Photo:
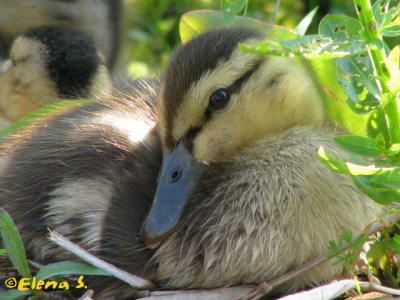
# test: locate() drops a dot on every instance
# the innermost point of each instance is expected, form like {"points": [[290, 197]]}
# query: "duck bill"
{"points": [[179, 174]]}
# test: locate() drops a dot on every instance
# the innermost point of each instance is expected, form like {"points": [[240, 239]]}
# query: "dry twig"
{"points": [[132, 280]]}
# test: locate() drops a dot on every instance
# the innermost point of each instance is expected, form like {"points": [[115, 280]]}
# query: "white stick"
{"points": [[132, 280]]}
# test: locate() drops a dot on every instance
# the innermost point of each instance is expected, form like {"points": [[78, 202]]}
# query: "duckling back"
{"points": [[90, 173]]}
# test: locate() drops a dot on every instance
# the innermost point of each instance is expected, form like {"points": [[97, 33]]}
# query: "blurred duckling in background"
{"points": [[99, 20], [221, 187], [47, 64]]}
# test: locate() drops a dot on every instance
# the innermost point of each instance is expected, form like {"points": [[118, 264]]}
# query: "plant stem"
{"points": [[378, 59]]}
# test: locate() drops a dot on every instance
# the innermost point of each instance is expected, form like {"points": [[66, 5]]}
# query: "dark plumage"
{"points": [[69, 57], [90, 173]]}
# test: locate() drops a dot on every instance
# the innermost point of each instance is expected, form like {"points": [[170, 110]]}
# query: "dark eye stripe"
{"points": [[237, 85], [190, 136], [234, 88]]}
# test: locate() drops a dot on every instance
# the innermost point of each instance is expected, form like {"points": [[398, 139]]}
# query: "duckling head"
{"points": [[48, 64], [215, 101]]}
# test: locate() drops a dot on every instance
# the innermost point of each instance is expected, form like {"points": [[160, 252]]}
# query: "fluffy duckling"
{"points": [[259, 203], [98, 19], [240, 198], [47, 64]]}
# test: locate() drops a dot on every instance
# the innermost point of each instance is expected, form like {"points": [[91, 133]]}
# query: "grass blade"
{"points": [[67, 268], [13, 243], [302, 27], [46, 110]]}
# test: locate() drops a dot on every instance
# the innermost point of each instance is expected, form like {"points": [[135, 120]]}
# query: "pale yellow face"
{"points": [[25, 85], [277, 96]]}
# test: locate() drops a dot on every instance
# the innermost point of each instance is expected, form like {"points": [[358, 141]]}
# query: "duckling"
{"points": [[242, 197], [217, 186], [99, 20], [47, 64]]}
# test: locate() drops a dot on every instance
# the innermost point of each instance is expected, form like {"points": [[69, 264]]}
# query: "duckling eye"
{"points": [[218, 99]]}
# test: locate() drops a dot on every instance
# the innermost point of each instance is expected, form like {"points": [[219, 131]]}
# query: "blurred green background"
{"points": [[151, 27]]}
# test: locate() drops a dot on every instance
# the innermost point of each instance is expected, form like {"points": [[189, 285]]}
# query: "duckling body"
{"points": [[260, 214], [47, 64], [76, 172], [238, 136]]}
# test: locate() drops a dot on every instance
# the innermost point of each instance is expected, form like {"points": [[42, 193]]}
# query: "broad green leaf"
{"points": [[339, 27], [376, 125], [355, 77], [66, 268], [333, 41], [357, 159], [309, 47], [358, 144], [375, 191], [231, 8], [388, 178], [13, 243], [355, 169], [46, 110], [3, 251], [355, 72], [195, 22], [302, 27], [330, 161], [334, 99]]}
